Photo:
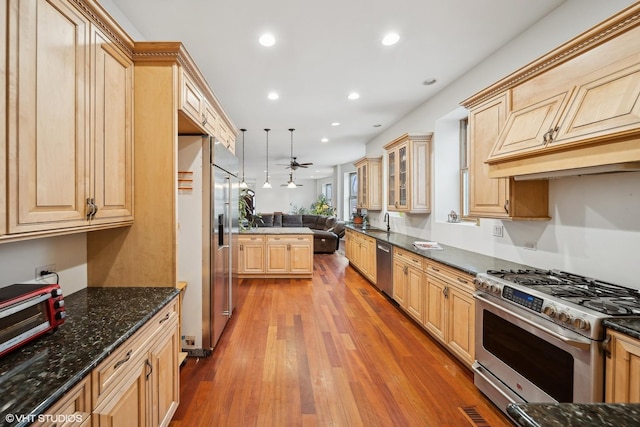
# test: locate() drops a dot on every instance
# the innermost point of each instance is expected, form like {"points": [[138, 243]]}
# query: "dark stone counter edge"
{"points": [[75, 379], [404, 241], [575, 414], [627, 325]]}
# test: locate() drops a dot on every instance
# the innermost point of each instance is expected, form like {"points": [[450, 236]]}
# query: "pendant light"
{"points": [[267, 184], [243, 184]]}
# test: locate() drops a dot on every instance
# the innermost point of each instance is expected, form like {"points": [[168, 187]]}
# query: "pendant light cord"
{"points": [[243, 131]]}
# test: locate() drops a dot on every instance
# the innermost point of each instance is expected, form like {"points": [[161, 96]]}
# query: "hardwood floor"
{"points": [[331, 351]]}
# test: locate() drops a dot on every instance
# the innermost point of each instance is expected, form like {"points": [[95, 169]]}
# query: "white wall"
{"points": [[282, 199], [594, 229], [19, 260]]}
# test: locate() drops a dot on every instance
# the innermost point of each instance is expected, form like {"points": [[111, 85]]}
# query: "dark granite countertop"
{"points": [[626, 325], [98, 320], [467, 261], [575, 414]]}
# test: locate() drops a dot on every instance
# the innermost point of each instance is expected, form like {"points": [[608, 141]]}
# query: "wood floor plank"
{"points": [[326, 351]]}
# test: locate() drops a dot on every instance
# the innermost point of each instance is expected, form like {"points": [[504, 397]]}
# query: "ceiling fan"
{"points": [[293, 163]]}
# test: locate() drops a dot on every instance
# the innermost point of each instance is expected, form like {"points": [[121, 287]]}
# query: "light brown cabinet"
{"points": [[361, 252], [289, 254], [369, 171], [75, 405], [575, 107], [70, 142], [408, 284], [409, 173], [502, 198], [622, 371], [251, 255], [450, 312]]}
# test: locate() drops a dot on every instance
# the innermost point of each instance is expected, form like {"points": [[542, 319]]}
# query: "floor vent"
{"points": [[473, 416]]}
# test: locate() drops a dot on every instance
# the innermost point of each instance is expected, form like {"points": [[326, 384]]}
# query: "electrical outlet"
{"points": [[530, 246], [39, 270], [497, 230]]}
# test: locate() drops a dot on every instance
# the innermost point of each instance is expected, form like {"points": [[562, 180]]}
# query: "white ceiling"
{"points": [[323, 51]]}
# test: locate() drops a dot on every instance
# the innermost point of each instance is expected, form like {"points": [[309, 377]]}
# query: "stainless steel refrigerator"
{"points": [[221, 229]]}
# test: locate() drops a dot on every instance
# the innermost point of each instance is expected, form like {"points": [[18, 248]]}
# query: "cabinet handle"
{"points": [[92, 208], [435, 269], [164, 319], [461, 280], [150, 366], [123, 361], [445, 292], [546, 138], [405, 270], [506, 206], [288, 246], [241, 247], [554, 133]]}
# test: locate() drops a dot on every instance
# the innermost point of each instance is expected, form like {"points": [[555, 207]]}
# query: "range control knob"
{"points": [[565, 317], [549, 311], [494, 288], [581, 323]]}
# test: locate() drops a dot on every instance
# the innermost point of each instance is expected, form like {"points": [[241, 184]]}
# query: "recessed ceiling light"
{"points": [[273, 96], [335, 124], [429, 82], [267, 40], [353, 95], [390, 39], [325, 140]]}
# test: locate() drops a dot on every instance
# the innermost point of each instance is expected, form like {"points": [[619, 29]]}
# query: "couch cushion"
{"points": [[310, 221], [330, 221], [292, 220], [277, 219], [265, 220]]}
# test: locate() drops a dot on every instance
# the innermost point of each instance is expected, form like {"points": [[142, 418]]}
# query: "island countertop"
{"points": [[276, 231], [99, 320]]}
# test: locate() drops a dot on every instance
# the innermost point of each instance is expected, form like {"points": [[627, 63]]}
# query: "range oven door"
{"points": [[522, 357]]}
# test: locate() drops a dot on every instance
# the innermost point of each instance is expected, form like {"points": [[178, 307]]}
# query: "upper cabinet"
{"points": [[503, 198], [69, 121], [369, 183], [575, 107], [198, 114], [409, 173]]}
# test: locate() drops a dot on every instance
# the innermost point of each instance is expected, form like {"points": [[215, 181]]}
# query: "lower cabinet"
{"points": [[450, 312], [282, 255], [137, 385], [408, 284], [361, 252], [622, 371]]}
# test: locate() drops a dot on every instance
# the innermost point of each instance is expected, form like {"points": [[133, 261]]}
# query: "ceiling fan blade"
{"points": [[306, 164]]}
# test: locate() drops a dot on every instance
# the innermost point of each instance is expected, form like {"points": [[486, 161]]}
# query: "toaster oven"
{"points": [[28, 311]]}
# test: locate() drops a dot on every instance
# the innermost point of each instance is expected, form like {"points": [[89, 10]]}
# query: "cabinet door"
{"points": [[251, 257], [210, 118], [191, 100], [392, 180], [128, 406], [403, 178], [374, 185], [415, 297], [607, 104], [362, 186], [420, 177], [528, 130], [623, 369], [487, 196], [112, 131], [301, 255], [277, 257], [165, 381], [461, 319], [348, 245], [400, 271], [371, 256], [48, 115], [435, 320]]}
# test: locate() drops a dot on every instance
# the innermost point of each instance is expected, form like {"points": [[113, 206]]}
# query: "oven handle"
{"points": [[573, 343], [478, 369]]}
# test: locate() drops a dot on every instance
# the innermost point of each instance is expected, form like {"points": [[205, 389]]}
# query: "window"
{"points": [[353, 192], [464, 167], [328, 193]]}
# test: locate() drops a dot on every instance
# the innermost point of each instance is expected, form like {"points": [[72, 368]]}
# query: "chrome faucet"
{"points": [[386, 218]]}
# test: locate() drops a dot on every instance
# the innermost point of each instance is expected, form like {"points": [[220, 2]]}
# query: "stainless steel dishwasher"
{"points": [[384, 270]]}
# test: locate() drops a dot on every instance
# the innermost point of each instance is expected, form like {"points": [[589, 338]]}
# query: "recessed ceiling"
{"points": [[323, 52]]}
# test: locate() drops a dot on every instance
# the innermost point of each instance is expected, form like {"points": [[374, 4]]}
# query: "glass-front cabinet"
{"points": [[409, 173], [369, 183]]}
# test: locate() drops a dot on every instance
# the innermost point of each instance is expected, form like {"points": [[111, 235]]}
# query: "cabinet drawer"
{"points": [[75, 406], [408, 257], [451, 275], [251, 239], [289, 239], [115, 367]]}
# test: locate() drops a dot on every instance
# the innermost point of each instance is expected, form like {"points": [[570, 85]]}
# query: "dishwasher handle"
{"points": [[384, 248]]}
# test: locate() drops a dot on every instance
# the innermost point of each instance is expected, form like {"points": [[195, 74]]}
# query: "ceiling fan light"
{"points": [[243, 184], [266, 184], [292, 185]]}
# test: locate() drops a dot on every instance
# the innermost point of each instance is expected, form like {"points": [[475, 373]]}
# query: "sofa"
{"points": [[327, 230]]}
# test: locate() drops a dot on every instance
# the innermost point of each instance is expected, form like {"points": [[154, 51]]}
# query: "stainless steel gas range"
{"points": [[539, 335]]}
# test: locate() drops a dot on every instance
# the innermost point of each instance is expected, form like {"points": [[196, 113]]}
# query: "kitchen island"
{"points": [[98, 322]]}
